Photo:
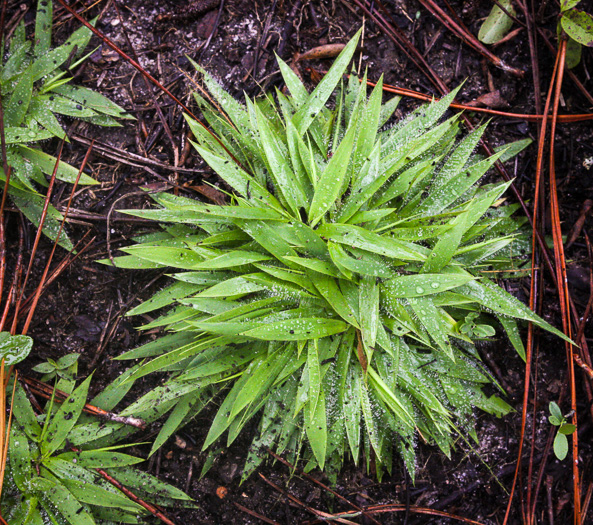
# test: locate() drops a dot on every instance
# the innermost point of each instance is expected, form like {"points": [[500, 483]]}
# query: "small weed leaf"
{"points": [[14, 348], [560, 446], [578, 26], [338, 296], [497, 24]]}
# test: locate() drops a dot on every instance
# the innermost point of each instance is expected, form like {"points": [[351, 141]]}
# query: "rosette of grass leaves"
{"points": [[339, 295]]}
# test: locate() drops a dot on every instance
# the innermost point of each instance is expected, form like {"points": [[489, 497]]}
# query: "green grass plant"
{"points": [[36, 92], [336, 301]]}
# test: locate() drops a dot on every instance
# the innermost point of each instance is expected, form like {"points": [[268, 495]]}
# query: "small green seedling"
{"points": [[564, 429], [578, 26], [65, 368]]}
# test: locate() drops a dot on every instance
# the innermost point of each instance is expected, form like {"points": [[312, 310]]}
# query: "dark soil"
{"points": [[80, 312]]}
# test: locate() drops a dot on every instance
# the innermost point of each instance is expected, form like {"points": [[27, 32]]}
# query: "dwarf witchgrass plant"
{"points": [[52, 475], [339, 295], [34, 79]]}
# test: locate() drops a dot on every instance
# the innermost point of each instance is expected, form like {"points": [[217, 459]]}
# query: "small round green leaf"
{"points": [[498, 23], [555, 411], [574, 50], [578, 26], [567, 429], [14, 348], [560, 446], [565, 5], [555, 421]]}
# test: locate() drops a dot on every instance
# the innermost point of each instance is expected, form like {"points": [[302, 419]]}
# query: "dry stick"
{"points": [[18, 271], [67, 261], [532, 295], [428, 98], [47, 391], [468, 38], [214, 27], [532, 39], [401, 41], [53, 250], [317, 482], [261, 42], [255, 514], [585, 317], [149, 89], [150, 508], [563, 286], [399, 507], [131, 159], [146, 74], [50, 188], [318, 513]]}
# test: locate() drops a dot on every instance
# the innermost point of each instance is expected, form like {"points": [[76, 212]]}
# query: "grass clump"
{"points": [[35, 85], [340, 294]]}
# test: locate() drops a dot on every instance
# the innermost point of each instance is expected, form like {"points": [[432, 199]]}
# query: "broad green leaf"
{"points": [[65, 419], [501, 302], [322, 267], [574, 51], [281, 169], [497, 24], [578, 26], [352, 410], [560, 446], [63, 500], [316, 428], [407, 286], [19, 101], [258, 381], [316, 101], [165, 297], [16, 135], [370, 421], [568, 4], [314, 376], [297, 329], [96, 495], [135, 479], [330, 291], [92, 100], [14, 348], [43, 27], [47, 164], [238, 179], [555, 411], [20, 457], [366, 240], [512, 331], [99, 459], [329, 186], [430, 318], [369, 310]]}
